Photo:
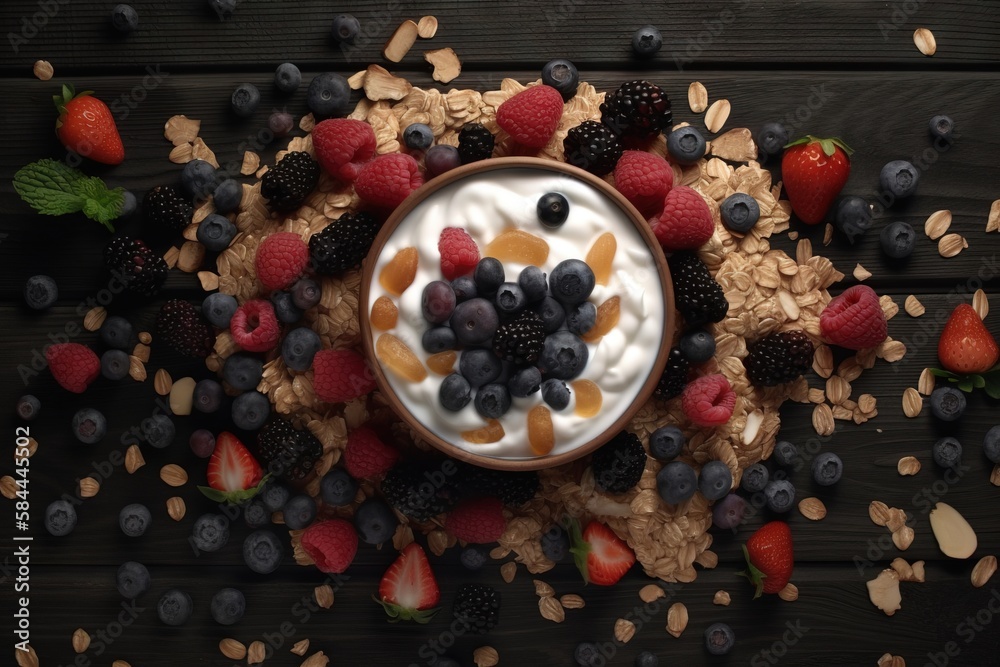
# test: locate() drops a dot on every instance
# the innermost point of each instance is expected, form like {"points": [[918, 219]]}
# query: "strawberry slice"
{"points": [[601, 556], [408, 590], [234, 475]]}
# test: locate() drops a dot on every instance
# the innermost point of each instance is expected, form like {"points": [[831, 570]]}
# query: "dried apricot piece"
{"points": [[399, 273], [540, 435], [384, 314], [442, 363], [492, 432], [588, 398], [607, 319], [601, 255], [515, 245], [399, 358]]}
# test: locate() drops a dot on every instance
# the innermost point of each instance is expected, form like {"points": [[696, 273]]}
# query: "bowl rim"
{"points": [[475, 168]]}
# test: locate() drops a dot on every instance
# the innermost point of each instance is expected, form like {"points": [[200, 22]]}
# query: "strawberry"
{"points": [[814, 172], [234, 475], [332, 544], [532, 116], [366, 456], [408, 590], [966, 346], [477, 520], [601, 556], [74, 366], [769, 557], [86, 127]]}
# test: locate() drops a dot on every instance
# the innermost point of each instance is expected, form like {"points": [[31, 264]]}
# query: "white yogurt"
{"points": [[485, 205]]}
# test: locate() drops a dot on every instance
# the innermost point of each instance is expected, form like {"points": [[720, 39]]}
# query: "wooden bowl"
{"points": [[496, 164]]}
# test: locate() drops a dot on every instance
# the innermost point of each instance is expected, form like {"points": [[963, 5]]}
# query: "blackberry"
{"points": [[182, 327], [699, 299], [475, 143], [420, 489], [674, 377], [288, 184], [342, 244], [779, 357], [287, 453], [477, 607], [618, 465], [512, 488], [166, 207], [638, 109], [133, 263], [592, 147], [520, 340]]}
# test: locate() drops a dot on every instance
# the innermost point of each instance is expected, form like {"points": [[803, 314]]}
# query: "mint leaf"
{"points": [[102, 204], [48, 187]]}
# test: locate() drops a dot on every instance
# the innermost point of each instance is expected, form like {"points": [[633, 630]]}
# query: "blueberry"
{"points": [[525, 382], [299, 348], [755, 478], [337, 488], [553, 210], [455, 392], [227, 196], [853, 217], [210, 532], [555, 543], [345, 29], [27, 407], [134, 519], [438, 339], [686, 145], [223, 8], [899, 178], [175, 607], [715, 480], [306, 293], [991, 444], [199, 179], [132, 579], [942, 127], [60, 518], [666, 443], [771, 139], [124, 18], [739, 212], [564, 355], [562, 75], [479, 366], [555, 393], [581, 318], [492, 401], [728, 513], [245, 100], [489, 275], [827, 469], [587, 654], [40, 292], [262, 551], [898, 240], [242, 371], [116, 332], [552, 313], [299, 512], [418, 136], [255, 515], [646, 659], [571, 281], [475, 321], [129, 204], [533, 284], [785, 453], [780, 495], [228, 606], [115, 364], [251, 410], [284, 307], [208, 395], [437, 301], [947, 452], [219, 309], [464, 288], [274, 496], [287, 78], [697, 346], [375, 521], [441, 158], [215, 232], [473, 558], [676, 482], [158, 430], [202, 442], [281, 123], [947, 403], [89, 426], [646, 41], [719, 639], [510, 299], [328, 95]]}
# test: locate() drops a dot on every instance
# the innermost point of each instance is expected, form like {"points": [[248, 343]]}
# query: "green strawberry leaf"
{"points": [[978, 381], [829, 146], [52, 188], [754, 574], [942, 373], [579, 549], [966, 385], [397, 613], [234, 497]]}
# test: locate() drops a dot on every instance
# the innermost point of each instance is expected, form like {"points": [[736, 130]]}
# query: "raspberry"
{"points": [[180, 325], [366, 456], [532, 116], [459, 253], [332, 544], [644, 179], [854, 319], [74, 366], [281, 259], [343, 146], [341, 375], [477, 520], [686, 221], [388, 179], [289, 182], [708, 401], [254, 326]]}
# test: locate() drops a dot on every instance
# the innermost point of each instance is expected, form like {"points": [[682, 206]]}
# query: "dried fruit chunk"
{"points": [[399, 358], [607, 319], [515, 245], [601, 255], [954, 535], [384, 313], [442, 363], [492, 432], [399, 273], [588, 398], [540, 435]]}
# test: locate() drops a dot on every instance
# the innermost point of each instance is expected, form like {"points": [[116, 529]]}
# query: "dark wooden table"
{"points": [[869, 84]]}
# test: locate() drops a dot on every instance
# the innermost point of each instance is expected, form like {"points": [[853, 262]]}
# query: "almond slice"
{"points": [[981, 304], [954, 535], [697, 97], [677, 619], [984, 570], [43, 70], [924, 39], [427, 27], [717, 115], [913, 306], [937, 224]]}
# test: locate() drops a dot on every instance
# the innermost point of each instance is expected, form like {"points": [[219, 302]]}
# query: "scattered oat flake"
{"points": [[908, 465], [995, 476], [446, 64], [721, 598], [508, 570], [827, 234], [937, 224], [717, 115], [201, 151], [925, 42], [736, 145], [380, 84], [890, 660], [301, 647], [883, 591], [180, 130], [812, 509], [861, 273], [401, 41], [993, 222], [651, 592], [984, 570], [697, 97], [42, 70], [925, 385], [790, 593], [251, 162], [952, 244], [182, 153], [913, 403], [677, 619], [486, 656], [913, 306], [427, 27], [981, 304]]}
